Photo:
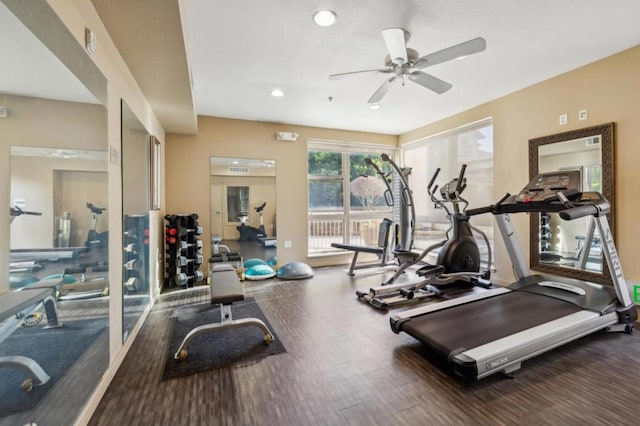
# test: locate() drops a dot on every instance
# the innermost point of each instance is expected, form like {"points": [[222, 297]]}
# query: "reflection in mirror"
{"points": [[573, 248], [52, 151], [136, 193], [237, 202], [239, 188]]}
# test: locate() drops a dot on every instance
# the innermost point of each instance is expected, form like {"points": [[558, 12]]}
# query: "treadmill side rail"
{"points": [[499, 355]]}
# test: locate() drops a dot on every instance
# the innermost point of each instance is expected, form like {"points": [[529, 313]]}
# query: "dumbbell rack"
{"points": [[183, 250], [545, 232], [136, 253]]}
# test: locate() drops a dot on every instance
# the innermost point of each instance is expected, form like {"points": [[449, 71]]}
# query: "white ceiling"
{"points": [[239, 50]]}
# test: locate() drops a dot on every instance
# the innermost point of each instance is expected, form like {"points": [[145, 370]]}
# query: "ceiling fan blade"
{"points": [[347, 74], [396, 43], [382, 90], [430, 82], [454, 52]]}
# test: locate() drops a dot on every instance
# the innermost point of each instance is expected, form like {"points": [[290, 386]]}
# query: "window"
{"points": [[346, 196], [471, 145]]}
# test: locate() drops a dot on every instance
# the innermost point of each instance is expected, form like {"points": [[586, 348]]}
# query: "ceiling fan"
{"points": [[405, 63]]}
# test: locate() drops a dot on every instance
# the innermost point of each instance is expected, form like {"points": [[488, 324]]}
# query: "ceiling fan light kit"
{"points": [[405, 63]]}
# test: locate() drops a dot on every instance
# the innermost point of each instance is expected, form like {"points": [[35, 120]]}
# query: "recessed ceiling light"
{"points": [[277, 93], [325, 18], [375, 106]]}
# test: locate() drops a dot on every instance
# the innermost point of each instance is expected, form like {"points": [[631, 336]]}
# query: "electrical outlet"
{"points": [[563, 119], [287, 244], [582, 114]]}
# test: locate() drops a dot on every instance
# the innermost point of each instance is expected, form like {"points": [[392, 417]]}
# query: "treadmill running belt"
{"points": [[484, 321]]}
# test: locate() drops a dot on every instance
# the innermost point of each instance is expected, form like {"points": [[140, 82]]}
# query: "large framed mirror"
{"points": [[243, 205], [136, 200], [573, 248], [54, 167]]}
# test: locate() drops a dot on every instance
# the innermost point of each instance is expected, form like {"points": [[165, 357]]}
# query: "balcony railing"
{"points": [[327, 229]]}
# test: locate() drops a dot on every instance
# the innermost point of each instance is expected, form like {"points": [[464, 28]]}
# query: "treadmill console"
{"points": [[545, 187]]}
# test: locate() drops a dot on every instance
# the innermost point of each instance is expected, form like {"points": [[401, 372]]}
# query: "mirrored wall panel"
{"points": [[243, 206], [136, 152], [55, 294]]}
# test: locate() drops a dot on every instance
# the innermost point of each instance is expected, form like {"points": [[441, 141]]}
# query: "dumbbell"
{"points": [[183, 245], [183, 279], [130, 284], [131, 265], [183, 260]]}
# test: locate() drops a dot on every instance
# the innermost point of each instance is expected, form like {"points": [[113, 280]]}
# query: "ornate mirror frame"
{"points": [[607, 134]]}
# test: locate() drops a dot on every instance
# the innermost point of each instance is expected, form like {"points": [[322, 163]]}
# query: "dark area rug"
{"points": [[221, 348], [55, 349]]}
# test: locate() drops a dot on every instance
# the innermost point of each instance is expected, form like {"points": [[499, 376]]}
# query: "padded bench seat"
{"points": [[225, 288], [14, 307], [381, 250]]}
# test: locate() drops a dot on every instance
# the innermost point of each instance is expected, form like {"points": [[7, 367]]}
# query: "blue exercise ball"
{"points": [[259, 272], [272, 261], [295, 271], [17, 281], [253, 262]]}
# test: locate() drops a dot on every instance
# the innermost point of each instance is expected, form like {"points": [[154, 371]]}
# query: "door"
{"points": [[217, 207]]}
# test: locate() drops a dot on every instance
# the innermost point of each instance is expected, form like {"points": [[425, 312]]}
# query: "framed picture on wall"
{"points": [[154, 173]]}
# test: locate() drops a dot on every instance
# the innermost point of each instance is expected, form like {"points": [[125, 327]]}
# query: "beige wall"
{"points": [[187, 178], [608, 89]]}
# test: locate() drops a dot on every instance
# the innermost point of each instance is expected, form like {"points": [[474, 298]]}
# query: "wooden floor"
{"points": [[344, 366]]}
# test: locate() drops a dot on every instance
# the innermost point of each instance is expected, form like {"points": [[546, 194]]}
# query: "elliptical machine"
{"points": [[458, 259], [249, 233]]}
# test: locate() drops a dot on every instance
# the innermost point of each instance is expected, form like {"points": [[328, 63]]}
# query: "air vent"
{"points": [[592, 141], [238, 170]]}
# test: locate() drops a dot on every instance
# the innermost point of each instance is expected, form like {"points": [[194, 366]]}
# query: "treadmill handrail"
{"points": [[590, 204]]}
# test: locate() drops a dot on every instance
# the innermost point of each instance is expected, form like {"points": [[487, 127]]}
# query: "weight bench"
{"points": [[381, 250], [225, 288], [15, 307]]}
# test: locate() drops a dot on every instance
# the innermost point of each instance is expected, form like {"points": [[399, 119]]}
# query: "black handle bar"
{"points": [[578, 212], [487, 209], [479, 210], [17, 211], [459, 185], [433, 179]]}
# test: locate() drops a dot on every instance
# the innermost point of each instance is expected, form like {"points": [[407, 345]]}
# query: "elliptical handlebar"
{"points": [[462, 182], [449, 194], [388, 193]]}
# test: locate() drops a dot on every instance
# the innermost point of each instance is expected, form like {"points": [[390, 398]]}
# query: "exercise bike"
{"points": [[250, 233], [458, 258], [94, 238]]}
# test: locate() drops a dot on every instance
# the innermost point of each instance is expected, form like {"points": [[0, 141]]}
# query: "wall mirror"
{"points": [[136, 199], [573, 248], [53, 163], [239, 186]]}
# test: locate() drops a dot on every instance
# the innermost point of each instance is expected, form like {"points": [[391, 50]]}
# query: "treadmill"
{"points": [[494, 331]]}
